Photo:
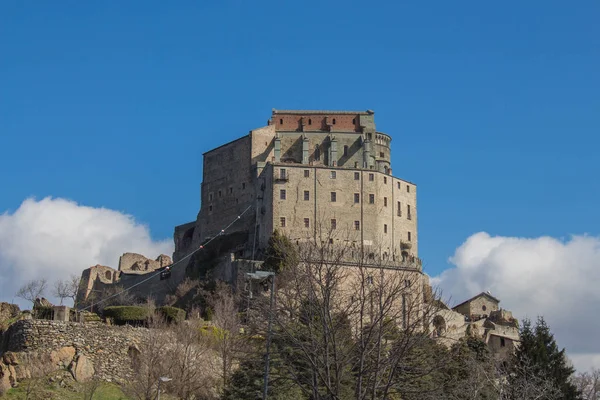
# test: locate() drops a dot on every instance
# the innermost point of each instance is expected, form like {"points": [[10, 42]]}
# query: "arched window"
{"points": [[334, 121], [310, 121], [281, 121]]}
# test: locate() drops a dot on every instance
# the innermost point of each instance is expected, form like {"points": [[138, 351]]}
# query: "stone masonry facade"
{"points": [[308, 173]]}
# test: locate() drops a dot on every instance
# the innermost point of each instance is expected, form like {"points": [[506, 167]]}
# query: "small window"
{"points": [[371, 177], [407, 283], [357, 225], [282, 222], [306, 195], [281, 121], [333, 196], [333, 224], [407, 189], [210, 197], [409, 237], [306, 223], [354, 121], [371, 199], [399, 185], [381, 154], [399, 211], [210, 208], [357, 176], [385, 201], [502, 342], [385, 180], [408, 215], [369, 280], [282, 173], [306, 173], [345, 151], [317, 153], [310, 121], [483, 307], [384, 228], [332, 175], [330, 241], [334, 121], [219, 193], [356, 197], [282, 194], [230, 190], [243, 185]]}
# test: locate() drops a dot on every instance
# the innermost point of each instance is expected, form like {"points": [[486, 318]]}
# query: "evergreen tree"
{"points": [[280, 253], [539, 352]]}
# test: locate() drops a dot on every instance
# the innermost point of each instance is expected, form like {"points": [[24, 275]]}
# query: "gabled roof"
{"points": [[486, 294]]}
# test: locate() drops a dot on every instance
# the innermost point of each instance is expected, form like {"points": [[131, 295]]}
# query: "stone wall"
{"points": [[138, 264], [86, 349]]}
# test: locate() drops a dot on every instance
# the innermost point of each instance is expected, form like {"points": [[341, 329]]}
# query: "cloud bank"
{"points": [[557, 279], [54, 237]]}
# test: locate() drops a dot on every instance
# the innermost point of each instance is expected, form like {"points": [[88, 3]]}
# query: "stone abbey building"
{"points": [[306, 173]]}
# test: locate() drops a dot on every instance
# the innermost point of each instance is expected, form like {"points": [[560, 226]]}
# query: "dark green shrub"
{"points": [[132, 315], [171, 314], [43, 312]]}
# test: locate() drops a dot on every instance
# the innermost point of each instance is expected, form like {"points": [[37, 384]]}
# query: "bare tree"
{"points": [[227, 339], [150, 361], [38, 367], [589, 384], [32, 289], [191, 363], [90, 387], [67, 289]]}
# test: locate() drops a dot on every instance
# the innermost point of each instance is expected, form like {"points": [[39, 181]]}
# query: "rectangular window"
{"points": [[381, 154], [333, 224], [333, 196], [356, 197], [230, 190], [408, 216], [369, 280], [409, 237], [357, 176], [243, 185], [333, 174], [219, 193], [210, 196], [282, 174], [385, 201], [385, 180], [210, 208], [282, 222], [371, 177], [399, 185], [282, 194], [357, 225], [407, 283], [306, 223], [306, 195], [407, 189], [306, 173], [399, 209], [384, 228], [371, 199]]}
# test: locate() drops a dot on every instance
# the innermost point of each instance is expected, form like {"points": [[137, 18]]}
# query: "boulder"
{"points": [[82, 369], [10, 358], [4, 378], [62, 356]]}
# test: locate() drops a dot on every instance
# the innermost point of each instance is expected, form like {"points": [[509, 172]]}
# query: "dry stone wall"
{"points": [[86, 349]]}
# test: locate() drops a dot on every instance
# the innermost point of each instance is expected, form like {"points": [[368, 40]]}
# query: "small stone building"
{"points": [[478, 307]]}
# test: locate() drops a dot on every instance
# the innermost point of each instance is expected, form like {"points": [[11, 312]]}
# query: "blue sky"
{"points": [[493, 108]]}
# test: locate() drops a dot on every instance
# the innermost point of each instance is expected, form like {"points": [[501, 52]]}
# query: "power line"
{"points": [[174, 264]]}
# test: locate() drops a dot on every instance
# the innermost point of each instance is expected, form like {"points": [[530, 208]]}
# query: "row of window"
{"points": [[333, 198], [333, 175], [282, 223], [310, 121], [220, 192]]}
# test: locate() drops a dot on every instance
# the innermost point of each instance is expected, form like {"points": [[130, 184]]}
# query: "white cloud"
{"points": [[53, 238], [557, 279]]}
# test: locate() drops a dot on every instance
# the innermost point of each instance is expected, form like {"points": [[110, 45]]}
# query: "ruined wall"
{"points": [[105, 349], [138, 264]]}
